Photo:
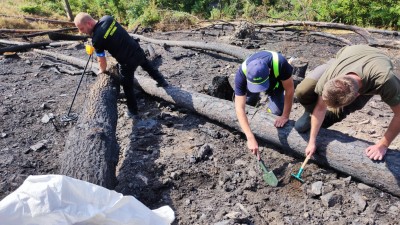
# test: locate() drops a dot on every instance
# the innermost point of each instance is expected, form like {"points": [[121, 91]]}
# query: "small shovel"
{"points": [[268, 176], [298, 175]]}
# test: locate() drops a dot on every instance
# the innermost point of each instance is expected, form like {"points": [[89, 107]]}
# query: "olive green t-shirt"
{"points": [[373, 67]]}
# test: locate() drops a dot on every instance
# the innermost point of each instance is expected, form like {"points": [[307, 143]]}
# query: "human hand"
{"points": [[376, 152], [280, 121], [310, 149], [253, 146]]}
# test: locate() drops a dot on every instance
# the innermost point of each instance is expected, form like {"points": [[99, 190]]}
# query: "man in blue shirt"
{"points": [[268, 72], [107, 34]]}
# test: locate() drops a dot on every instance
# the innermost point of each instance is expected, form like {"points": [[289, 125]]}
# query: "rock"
{"points": [[359, 199], [40, 145], [394, 210], [306, 215], [338, 184], [233, 215], [224, 222], [44, 106], [327, 188], [347, 180], [363, 187], [331, 199], [3, 135], [316, 188], [204, 152], [364, 122], [241, 162], [47, 117], [192, 159], [175, 175]]}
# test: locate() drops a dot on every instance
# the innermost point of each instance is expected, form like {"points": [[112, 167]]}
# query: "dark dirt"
{"points": [[174, 157]]}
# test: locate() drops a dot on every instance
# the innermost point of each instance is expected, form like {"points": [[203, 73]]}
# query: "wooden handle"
{"points": [[305, 162]]}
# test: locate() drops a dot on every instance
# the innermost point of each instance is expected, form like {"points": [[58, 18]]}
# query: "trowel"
{"points": [[268, 176]]}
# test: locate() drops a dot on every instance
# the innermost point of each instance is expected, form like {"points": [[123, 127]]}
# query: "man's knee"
{"points": [[305, 91]]}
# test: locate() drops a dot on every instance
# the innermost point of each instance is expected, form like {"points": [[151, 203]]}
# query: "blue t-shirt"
{"points": [[285, 72]]}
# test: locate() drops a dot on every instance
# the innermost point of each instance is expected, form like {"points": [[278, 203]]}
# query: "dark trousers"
{"points": [[127, 72], [307, 97], [276, 101]]}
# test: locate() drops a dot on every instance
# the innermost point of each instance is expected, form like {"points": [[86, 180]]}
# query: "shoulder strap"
{"points": [[275, 64]]}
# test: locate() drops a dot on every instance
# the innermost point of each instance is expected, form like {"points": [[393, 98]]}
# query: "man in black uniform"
{"points": [[107, 34]]}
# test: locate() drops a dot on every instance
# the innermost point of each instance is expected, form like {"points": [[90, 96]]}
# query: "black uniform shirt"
{"points": [[109, 35]]}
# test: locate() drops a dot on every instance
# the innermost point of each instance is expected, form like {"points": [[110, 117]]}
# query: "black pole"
{"points": [[76, 92]]}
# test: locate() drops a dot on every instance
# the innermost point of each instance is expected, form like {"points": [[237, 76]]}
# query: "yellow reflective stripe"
{"points": [[113, 31], [275, 67], [109, 30], [275, 63], [244, 67]]}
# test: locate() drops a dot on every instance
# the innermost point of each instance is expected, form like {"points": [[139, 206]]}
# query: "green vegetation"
{"points": [[382, 13]]}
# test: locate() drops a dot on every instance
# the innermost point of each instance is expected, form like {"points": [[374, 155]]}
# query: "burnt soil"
{"points": [[175, 157]]}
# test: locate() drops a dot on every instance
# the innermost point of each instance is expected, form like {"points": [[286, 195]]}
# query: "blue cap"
{"points": [[257, 76]]}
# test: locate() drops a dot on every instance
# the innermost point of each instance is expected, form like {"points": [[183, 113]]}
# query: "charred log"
{"points": [[56, 36], [231, 50], [220, 88], [336, 150], [19, 48], [91, 149], [46, 32]]}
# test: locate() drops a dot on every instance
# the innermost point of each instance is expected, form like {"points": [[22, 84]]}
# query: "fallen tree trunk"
{"points": [[46, 32], [359, 30], [336, 150], [72, 60], [18, 48], [41, 19], [231, 50], [91, 150], [56, 36]]}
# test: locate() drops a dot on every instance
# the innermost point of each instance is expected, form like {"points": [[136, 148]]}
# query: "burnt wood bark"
{"points": [[72, 60], [231, 50], [56, 36], [359, 30], [91, 149], [18, 48], [336, 150], [46, 32]]}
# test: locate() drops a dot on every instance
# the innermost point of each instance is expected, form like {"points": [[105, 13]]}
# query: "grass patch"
{"points": [[174, 20]]}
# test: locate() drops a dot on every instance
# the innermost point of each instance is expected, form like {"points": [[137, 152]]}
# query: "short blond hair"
{"points": [[82, 17], [340, 91]]}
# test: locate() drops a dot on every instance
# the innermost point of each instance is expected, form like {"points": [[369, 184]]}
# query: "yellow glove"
{"points": [[89, 49]]}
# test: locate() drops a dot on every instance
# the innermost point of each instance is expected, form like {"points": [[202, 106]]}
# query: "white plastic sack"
{"points": [[56, 199]]}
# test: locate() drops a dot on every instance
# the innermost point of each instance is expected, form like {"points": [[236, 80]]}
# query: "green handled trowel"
{"points": [[268, 176]]}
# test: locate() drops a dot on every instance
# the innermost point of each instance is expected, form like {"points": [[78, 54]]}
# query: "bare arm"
{"points": [[377, 151], [288, 85], [317, 117], [240, 105], [102, 64]]}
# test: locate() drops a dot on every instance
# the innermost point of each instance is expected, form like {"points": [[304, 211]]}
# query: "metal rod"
{"points": [[76, 92]]}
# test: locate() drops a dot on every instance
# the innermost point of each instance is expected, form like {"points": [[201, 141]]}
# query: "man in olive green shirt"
{"points": [[344, 85]]}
